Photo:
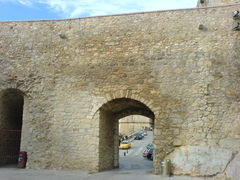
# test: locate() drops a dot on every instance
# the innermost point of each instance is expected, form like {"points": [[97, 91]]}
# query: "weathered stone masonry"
{"points": [[79, 76]]}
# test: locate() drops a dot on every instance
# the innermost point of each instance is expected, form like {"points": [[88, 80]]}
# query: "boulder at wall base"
{"points": [[233, 169], [200, 160]]}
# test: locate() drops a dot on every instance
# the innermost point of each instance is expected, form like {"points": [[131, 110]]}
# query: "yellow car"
{"points": [[125, 145]]}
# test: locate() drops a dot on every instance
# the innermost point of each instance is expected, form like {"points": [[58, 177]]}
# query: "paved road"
{"points": [[133, 159], [43, 174], [132, 167]]}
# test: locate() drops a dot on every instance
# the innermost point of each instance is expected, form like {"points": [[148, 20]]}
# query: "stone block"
{"points": [[233, 169], [177, 142], [200, 160]]}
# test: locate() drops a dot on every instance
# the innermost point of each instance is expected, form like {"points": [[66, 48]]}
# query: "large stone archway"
{"points": [[11, 114], [109, 114]]}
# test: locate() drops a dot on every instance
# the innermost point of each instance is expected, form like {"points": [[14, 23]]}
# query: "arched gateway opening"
{"points": [[109, 115], [11, 112]]}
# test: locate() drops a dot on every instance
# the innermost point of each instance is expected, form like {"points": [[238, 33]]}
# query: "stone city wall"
{"points": [[214, 3], [183, 65]]}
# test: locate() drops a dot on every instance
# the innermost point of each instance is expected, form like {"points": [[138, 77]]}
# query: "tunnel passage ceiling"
{"points": [[123, 107]]}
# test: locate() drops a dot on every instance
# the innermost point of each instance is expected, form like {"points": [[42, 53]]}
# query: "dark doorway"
{"points": [[11, 113]]}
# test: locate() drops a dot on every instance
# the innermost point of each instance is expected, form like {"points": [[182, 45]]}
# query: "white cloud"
{"points": [[25, 2], [80, 8]]}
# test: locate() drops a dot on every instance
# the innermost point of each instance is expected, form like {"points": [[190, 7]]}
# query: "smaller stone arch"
{"points": [[108, 116], [11, 119]]}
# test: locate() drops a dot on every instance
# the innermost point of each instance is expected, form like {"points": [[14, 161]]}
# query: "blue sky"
{"points": [[62, 9]]}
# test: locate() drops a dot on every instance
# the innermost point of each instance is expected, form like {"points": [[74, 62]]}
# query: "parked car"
{"points": [[150, 145], [148, 153], [138, 136], [145, 152], [144, 133], [125, 145]]}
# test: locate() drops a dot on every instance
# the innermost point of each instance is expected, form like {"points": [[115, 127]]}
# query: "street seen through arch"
{"points": [[138, 153]]}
